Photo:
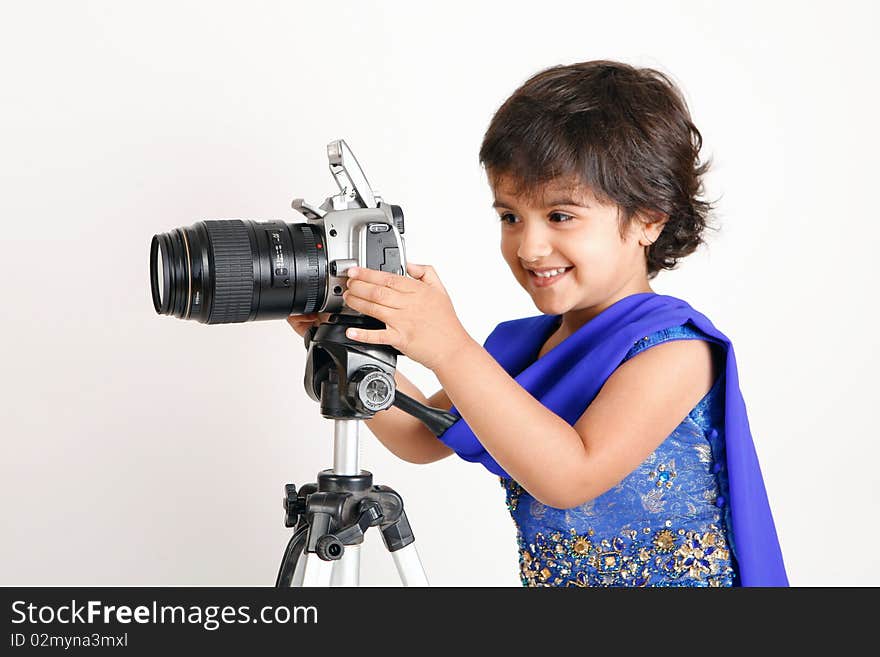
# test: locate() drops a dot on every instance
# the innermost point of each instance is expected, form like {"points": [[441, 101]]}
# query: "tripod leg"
{"points": [[347, 571], [409, 566], [291, 564], [315, 571], [299, 571]]}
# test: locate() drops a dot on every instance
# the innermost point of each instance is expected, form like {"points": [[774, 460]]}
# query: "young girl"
{"points": [[614, 419]]}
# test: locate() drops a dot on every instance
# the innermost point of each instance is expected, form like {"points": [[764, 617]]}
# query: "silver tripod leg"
{"points": [[409, 566], [347, 571], [315, 571], [311, 570]]}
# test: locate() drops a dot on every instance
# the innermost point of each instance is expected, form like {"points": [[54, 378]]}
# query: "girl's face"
{"points": [[567, 228]]}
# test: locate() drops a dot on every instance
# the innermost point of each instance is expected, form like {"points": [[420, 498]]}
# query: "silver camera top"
{"points": [[351, 179], [359, 228], [354, 189]]}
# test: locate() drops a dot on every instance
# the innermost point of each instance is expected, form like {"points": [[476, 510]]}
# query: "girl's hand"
{"points": [[417, 312], [302, 323]]}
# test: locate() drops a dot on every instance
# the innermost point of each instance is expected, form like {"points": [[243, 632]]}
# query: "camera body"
{"points": [[362, 237], [234, 270]]}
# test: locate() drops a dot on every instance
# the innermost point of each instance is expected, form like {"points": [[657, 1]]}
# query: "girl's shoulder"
{"points": [[686, 331], [708, 413]]}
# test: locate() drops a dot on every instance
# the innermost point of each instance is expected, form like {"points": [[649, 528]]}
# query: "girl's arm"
{"points": [[562, 466]]}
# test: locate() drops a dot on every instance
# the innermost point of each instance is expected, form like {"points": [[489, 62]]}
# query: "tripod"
{"points": [[352, 381]]}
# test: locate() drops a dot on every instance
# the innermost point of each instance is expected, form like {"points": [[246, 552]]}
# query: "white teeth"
{"points": [[549, 273]]}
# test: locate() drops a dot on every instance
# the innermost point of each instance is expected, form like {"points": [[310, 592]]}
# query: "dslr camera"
{"points": [[235, 270]]}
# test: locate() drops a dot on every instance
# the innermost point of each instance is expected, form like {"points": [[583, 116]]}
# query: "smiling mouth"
{"points": [[545, 280]]}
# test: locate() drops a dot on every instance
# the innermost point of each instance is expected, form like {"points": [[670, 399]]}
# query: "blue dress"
{"points": [[665, 524]]}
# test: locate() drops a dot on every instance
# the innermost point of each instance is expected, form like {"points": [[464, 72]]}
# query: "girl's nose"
{"points": [[533, 247]]}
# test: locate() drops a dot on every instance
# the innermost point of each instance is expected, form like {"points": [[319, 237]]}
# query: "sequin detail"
{"points": [[514, 490], [653, 557]]}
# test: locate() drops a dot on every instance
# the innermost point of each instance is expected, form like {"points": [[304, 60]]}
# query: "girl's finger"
{"points": [[383, 336], [375, 310], [424, 273], [414, 270]]}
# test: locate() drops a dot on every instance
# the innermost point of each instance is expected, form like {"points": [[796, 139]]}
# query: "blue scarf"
{"points": [[570, 376]]}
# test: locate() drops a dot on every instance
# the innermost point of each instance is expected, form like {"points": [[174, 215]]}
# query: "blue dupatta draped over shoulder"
{"points": [[569, 376]]}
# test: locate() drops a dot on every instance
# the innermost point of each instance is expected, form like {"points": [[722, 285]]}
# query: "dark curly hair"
{"points": [[625, 132]]}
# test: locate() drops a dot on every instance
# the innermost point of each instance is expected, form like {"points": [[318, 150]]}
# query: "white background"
{"points": [[146, 450]]}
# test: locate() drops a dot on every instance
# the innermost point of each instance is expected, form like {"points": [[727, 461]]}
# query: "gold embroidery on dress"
{"points": [[664, 556]]}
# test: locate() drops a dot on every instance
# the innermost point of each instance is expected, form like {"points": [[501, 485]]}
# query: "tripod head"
{"points": [[354, 381]]}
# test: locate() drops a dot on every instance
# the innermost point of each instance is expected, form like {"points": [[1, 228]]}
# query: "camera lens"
{"points": [[234, 270], [159, 277]]}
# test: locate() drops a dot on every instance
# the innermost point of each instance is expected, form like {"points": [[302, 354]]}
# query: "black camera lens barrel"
{"points": [[234, 270], [232, 256]]}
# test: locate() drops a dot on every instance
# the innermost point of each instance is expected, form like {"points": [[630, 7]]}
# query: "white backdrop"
{"points": [[145, 450]]}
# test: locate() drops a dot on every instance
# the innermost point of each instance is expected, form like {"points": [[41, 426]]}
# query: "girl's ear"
{"points": [[653, 222]]}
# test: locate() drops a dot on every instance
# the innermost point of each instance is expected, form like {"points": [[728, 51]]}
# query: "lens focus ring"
{"points": [[233, 271]]}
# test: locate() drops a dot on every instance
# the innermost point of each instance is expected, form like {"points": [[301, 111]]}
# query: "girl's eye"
{"points": [[508, 218]]}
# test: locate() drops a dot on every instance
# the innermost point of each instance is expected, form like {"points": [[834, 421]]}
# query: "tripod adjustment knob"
{"points": [[329, 548], [294, 506], [372, 389]]}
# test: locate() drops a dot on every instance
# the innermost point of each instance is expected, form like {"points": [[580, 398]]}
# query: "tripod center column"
{"points": [[346, 447]]}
